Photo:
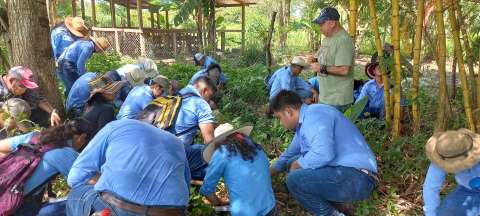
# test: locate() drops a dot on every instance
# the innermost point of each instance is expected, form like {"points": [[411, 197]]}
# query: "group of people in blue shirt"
{"points": [[129, 167]]}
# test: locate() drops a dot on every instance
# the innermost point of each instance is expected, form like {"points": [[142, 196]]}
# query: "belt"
{"points": [[370, 174], [139, 209]]}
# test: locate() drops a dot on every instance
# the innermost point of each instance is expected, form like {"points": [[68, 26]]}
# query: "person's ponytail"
{"points": [[59, 135]]}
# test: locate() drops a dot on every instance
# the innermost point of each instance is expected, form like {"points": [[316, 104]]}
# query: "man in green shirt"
{"points": [[333, 62]]}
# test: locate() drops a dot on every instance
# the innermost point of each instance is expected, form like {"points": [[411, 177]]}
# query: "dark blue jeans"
{"points": [[84, 201], [195, 161], [68, 73], [460, 201], [316, 189]]}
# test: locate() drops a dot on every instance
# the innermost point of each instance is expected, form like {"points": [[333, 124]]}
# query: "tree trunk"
{"points": [[379, 47], [397, 71], [461, 66], [442, 75], [29, 31], [268, 43], [52, 12], [453, 89], [212, 27], [417, 50], [199, 22], [468, 52], [352, 25]]}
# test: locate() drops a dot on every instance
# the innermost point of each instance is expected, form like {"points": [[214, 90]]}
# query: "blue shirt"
{"points": [[249, 184], [203, 73], [283, 79], [80, 91], [138, 98], [435, 179], [324, 137], [314, 83], [78, 53], [374, 94], [61, 38], [208, 61], [45, 170], [193, 112], [138, 162]]}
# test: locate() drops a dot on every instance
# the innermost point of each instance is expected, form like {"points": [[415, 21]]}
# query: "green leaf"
{"points": [[356, 109]]}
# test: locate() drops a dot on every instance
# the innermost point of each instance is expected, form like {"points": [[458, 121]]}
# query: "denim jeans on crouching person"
{"points": [[68, 73], [195, 161], [317, 189], [84, 201], [462, 202]]}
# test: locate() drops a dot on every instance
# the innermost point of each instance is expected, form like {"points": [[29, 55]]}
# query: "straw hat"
{"points": [[221, 133], [99, 81], [76, 26], [101, 42], [109, 88], [134, 75], [148, 66], [297, 60], [454, 151]]}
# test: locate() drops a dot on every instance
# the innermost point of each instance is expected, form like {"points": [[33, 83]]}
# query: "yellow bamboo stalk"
{"points": [[379, 47], [417, 50], [396, 58], [468, 51], [352, 25], [442, 75], [461, 65]]}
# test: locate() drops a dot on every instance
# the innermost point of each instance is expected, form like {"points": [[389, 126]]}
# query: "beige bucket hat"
{"points": [[76, 26], [454, 151], [221, 133], [297, 60], [101, 42]]}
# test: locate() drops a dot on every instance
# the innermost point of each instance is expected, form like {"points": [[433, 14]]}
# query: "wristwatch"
{"points": [[323, 70]]}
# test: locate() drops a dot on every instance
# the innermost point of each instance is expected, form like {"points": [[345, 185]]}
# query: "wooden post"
{"points": [[167, 20], [129, 20], [117, 43], [142, 44], [223, 41], [139, 12], [152, 20], [243, 28], [158, 20], [174, 42], [74, 7], [82, 8], [94, 14], [112, 10]]}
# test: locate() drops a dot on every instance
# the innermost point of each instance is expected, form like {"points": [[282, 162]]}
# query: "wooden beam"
{"points": [[74, 7], [140, 14], [129, 18], [112, 11], [158, 19], [152, 20], [243, 28], [167, 20], [94, 14], [82, 8]]}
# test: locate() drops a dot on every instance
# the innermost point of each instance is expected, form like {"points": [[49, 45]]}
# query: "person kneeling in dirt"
{"points": [[214, 72], [243, 165], [203, 60], [141, 96], [287, 78], [373, 90], [327, 170], [59, 145], [456, 152], [143, 171]]}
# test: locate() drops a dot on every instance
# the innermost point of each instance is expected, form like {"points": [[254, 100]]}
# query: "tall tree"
{"points": [[29, 31], [396, 58], [284, 21], [461, 66], [441, 61], [212, 26], [352, 24], [379, 47], [417, 49]]}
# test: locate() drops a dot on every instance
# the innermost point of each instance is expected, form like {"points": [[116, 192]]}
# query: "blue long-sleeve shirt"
{"points": [[374, 94], [80, 91], [61, 38], [248, 183], [78, 53], [314, 83], [138, 98], [208, 61], [283, 79], [324, 137], [434, 181], [193, 112], [138, 162], [203, 73]]}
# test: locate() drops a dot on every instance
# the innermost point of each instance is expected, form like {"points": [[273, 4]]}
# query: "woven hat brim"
{"points": [[80, 34], [212, 145]]}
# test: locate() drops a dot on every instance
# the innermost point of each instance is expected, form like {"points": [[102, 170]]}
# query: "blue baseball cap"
{"points": [[328, 13]]}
